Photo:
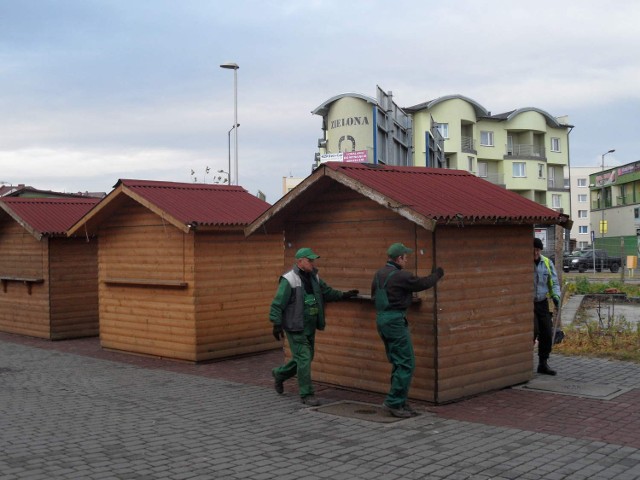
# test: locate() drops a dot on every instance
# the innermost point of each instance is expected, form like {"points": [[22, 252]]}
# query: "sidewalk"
{"points": [[72, 410]]}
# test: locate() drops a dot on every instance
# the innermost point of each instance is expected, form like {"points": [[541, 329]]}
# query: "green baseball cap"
{"points": [[398, 249], [306, 253]]}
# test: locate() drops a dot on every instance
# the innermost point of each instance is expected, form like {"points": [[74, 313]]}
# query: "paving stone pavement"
{"points": [[71, 410]]}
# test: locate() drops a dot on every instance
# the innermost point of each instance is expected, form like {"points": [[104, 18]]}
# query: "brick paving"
{"points": [[70, 409], [611, 421]]}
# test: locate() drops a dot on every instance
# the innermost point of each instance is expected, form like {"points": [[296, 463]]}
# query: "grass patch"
{"points": [[612, 337], [621, 342]]}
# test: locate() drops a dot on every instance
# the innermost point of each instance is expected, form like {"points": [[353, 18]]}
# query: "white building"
{"points": [[580, 205]]}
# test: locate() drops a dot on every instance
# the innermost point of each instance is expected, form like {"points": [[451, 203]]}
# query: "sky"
{"points": [[92, 91]]}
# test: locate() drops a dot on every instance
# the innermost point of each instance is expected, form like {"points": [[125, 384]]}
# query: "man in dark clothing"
{"points": [[298, 310], [392, 290]]}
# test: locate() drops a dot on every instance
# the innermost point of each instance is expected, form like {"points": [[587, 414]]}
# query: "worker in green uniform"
{"points": [[392, 290], [298, 311]]}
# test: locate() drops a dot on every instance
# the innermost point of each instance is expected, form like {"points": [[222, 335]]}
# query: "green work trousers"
{"points": [[301, 346], [393, 329]]}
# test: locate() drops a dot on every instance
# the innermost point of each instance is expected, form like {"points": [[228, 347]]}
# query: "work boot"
{"points": [[310, 400], [545, 369], [411, 410], [279, 384], [399, 412]]}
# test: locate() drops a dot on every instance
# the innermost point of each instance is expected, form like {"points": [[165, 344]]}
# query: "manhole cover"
{"points": [[365, 411], [577, 389], [362, 411]]}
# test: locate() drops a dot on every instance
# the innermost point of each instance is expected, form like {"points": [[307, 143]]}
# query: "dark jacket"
{"points": [[401, 285]]}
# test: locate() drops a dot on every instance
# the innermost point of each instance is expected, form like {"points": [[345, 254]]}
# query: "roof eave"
{"points": [[277, 208], [185, 227], [344, 179], [36, 234], [93, 218], [402, 210]]}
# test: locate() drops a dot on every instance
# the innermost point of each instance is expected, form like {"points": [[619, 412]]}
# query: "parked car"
{"points": [[602, 261], [567, 261], [552, 255]]}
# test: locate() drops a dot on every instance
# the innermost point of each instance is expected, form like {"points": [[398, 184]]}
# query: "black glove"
{"points": [[350, 293], [277, 332], [556, 302], [439, 272]]}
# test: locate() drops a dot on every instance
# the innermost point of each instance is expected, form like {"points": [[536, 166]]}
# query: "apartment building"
{"points": [[525, 150], [615, 209], [581, 206], [362, 129]]}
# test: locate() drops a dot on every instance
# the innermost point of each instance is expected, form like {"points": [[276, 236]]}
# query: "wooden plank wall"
{"points": [[476, 338], [236, 279], [73, 288], [485, 312], [156, 320], [21, 255], [352, 234]]}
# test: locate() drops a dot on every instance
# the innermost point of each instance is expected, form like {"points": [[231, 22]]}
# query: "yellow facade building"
{"points": [[525, 150]]}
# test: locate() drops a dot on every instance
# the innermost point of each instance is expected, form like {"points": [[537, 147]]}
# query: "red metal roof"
{"points": [[47, 216], [198, 203], [425, 196], [447, 195]]}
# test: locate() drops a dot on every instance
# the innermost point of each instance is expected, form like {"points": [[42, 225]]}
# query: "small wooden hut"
{"points": [[473, 332], [49, 281], [177, 277]]}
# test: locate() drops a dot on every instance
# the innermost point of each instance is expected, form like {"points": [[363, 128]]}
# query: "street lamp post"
{"points": [[234, 67], [229, 150], [602, 191], [602, 205]]}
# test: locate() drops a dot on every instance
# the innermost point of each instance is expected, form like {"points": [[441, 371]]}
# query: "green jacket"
{"points": [[287, 308]]}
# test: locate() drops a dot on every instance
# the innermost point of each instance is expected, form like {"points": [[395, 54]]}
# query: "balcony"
{"points": [[595, 205], [495, 178], [557, 185], [524, 151], [468, 145], [624, 200]]}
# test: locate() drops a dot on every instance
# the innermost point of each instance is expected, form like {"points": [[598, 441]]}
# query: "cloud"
{"points": [[65, 170], [96, 91]]}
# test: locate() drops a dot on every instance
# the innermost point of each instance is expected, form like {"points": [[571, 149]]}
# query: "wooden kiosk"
{"points": [[48, 281], [177, 277], [473, 332]]}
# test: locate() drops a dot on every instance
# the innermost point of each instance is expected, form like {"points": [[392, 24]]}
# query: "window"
{"points": [[486, 139], [622, 199], [483, 169], [556, 201], [470, 164], [444, 129], [541, 170], [582, 214], [636, 213], [555, 144], [582, 198], [519, 170], [583, 229], [582, 182]]}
